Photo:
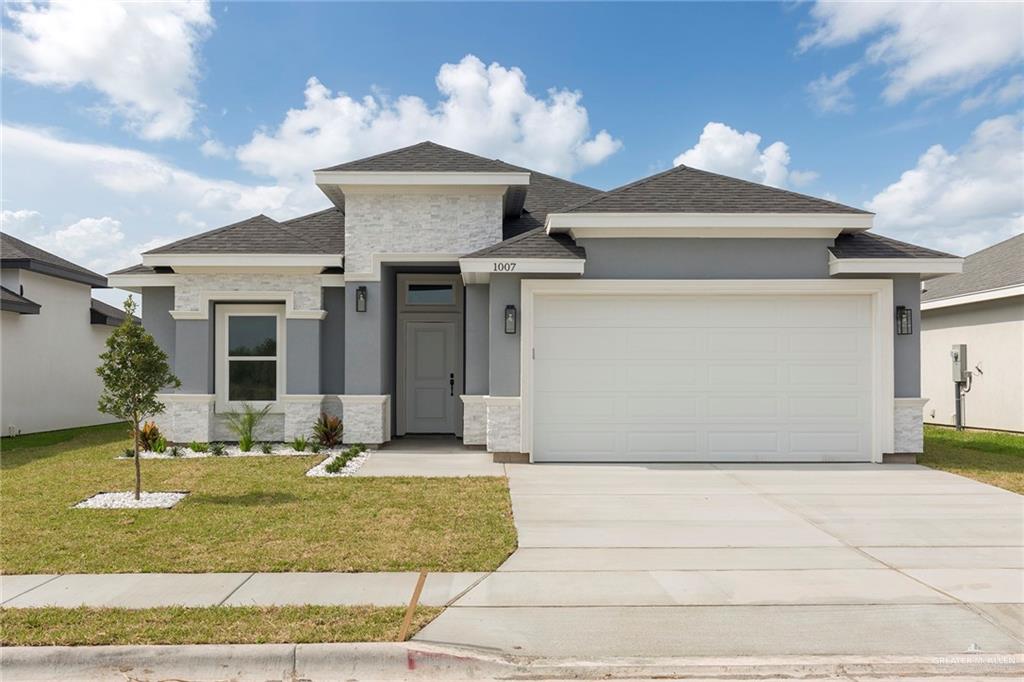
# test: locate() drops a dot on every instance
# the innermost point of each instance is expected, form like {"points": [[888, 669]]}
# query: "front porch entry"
{"points": [[429, 353]]}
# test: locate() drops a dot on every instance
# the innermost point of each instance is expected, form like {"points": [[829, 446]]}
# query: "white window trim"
{"points": [[221, 350], [880, 290]]}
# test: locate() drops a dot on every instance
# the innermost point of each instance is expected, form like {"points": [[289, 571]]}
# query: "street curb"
{"points": [[411, 661]]}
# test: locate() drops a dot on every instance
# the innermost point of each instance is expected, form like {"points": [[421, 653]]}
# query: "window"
{"points": [[430, 294], [249, 360]]}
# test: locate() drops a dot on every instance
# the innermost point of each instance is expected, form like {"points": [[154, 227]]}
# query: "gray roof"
{"points": [[13, 302], [533, 244], [138, 269], [871, 245], [104, 313], [427, 157], [547, 194], [688, 190], [1000, 265], [15, 253], [320, 232]]}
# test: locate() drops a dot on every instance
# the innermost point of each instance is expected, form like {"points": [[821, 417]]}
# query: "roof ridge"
{"points": [[216, 230], [628, 185], [992, 246], [329, 209], [424, 143]]}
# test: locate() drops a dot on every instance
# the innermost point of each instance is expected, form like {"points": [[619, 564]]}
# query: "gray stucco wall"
{"points": [[332, 342], [477, 338], [157, 302], [302, 357], [193, 343], [705, 258], [363, 350], [906, 291], [504, 348]]}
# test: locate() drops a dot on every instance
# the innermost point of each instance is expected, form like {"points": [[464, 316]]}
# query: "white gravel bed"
{"points": [[320, 470], [277, 450], [128, 501]]}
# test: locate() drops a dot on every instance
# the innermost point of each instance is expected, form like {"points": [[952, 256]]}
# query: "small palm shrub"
{"points": [[217, 449], [196, 446], [314, 447], [299, 444], [327, 430], [244, 424], [148, 435], [266, 448]]}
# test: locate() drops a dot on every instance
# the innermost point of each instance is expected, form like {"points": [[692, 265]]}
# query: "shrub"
{"points": [[360, 447], [244, 424], [217, 449], [266, 448], [148, 435], [160, 445], [327, 430], [196, 446], [129, 453], [175, 451], [314, 447], [299, 443], [337, 464]]}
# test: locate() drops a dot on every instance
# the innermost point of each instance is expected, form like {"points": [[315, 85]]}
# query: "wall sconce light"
{"points": [[510, 319], [904, 320], [360, 299]]}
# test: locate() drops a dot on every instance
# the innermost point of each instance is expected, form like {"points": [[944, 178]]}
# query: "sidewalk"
{"points": [[145, 590]]}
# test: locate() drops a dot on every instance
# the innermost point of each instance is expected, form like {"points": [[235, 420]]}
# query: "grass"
{"points": [[986, 456], [209, 625], [243, 514]]}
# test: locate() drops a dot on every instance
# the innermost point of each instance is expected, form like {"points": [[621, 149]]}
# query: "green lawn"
{"points": [[243, 514], [986, 456], [210, 625]]}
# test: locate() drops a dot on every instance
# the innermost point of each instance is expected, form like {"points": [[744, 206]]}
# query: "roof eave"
{"points": [[974, 297], [925, 267], [640, 224], [94, 280]]}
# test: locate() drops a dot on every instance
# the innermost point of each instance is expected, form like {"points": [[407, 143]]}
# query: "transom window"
{"points": [[430, 294], [249, 361]]}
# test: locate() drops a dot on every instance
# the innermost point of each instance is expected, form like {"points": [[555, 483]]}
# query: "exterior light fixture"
{"points": [[904, 320], [510, 319], [360, 299]]}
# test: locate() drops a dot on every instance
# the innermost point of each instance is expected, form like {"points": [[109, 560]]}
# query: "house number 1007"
{"points": [[504, 267]]}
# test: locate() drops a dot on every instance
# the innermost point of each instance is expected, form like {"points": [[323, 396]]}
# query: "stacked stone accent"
{"points": [[305, 288], [300, 413], [504, 432], [367, 418], [187, 417], [908, 423], [474, 420]]}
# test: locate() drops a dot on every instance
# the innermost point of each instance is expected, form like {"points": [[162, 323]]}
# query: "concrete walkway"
{"points": [[430, 456], [716, 560], [144, 590]]}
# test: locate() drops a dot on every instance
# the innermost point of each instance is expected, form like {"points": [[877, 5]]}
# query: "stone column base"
{"points": [[188, 417], [300, 413], [474, 420], [908, 423], [504, 432], [367, 418]]}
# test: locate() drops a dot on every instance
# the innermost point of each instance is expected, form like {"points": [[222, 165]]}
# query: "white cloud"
{"points": [[725, 150], [142, 56], [484, 109], [214, 149], [833, 93], [963, 201], [1008, 92], [924, 46]]}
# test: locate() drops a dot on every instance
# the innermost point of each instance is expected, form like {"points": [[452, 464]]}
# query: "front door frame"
{"points": [[405, 313]]}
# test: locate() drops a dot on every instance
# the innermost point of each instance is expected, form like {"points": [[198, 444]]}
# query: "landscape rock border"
{"points": [[126, 500], [350, 468], [277, 450]]}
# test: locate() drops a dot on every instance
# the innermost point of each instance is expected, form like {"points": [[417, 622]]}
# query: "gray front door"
{"points": [[429, 377]]}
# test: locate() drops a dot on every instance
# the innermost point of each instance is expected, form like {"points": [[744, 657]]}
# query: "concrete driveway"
{"points": [[726, 560]]}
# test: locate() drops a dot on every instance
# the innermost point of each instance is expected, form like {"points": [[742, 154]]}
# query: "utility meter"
{"points": [[959, 356]]}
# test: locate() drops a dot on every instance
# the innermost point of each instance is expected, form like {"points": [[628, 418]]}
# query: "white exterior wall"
{"points": [[48, 361], [406, 221], [188, 287], [994, 334]]}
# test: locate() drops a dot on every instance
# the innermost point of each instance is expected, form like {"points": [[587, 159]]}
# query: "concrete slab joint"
{"points": [[908, 423], [367, 418], [474, 420], [504, 431]]}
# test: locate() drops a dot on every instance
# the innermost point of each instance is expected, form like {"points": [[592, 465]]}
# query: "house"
{"points": [[685, 317], [983, 308], [51, 334]]}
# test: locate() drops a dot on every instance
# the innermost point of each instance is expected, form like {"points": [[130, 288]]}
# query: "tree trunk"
{"points": [[138, 468]]}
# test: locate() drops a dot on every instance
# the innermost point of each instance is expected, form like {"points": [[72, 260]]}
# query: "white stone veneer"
{"points": [[403, 221], [909, 425], [474, 420], [187, 417], [300, 413], [305, 288], [504, 432], [367, 418]]}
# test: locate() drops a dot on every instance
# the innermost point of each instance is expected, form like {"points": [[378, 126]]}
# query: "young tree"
{"points": [[133, 370]]}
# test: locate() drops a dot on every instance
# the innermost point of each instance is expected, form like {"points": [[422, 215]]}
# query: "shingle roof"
{"points": [[533, 244], [688, 190], [1000, 265], [870, 245], [138, 269], [546, 194], [261, 234], [15, 253], [13, 302], [427, 157], [104, 313]]}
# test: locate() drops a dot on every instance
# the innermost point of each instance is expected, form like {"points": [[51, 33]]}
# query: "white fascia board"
{"points": [[404, 178], [691, 224], [233, 261], [894, 266], [976, 297], [479, 270], [135, 283]]}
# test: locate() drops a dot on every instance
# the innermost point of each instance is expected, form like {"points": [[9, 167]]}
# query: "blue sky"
{"points": [[129, 125]]}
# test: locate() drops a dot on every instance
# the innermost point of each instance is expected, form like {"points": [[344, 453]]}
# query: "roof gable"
{"points": [[1000, 265], [427, 157]]}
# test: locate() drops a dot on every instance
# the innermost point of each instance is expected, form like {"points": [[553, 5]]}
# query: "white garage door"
{"points": [[702, 378]]}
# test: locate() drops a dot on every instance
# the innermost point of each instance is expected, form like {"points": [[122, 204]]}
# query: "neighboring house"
{"points": [[685, 317], [51, 335], [984, 308]]}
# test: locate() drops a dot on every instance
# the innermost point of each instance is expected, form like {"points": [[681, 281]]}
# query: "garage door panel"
{"points": [[746, 375], [832, 374], [743, 445], [744, 406], [675, 407], [823, 406]]}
